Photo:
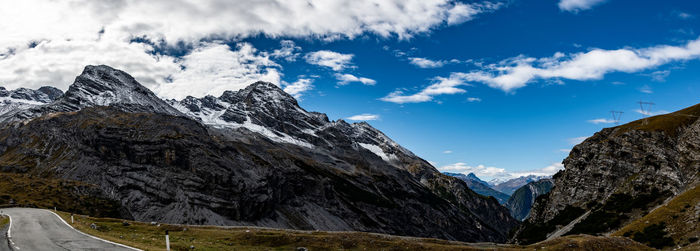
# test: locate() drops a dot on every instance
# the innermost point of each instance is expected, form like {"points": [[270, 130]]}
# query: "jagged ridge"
{"points": [[250, 157]]}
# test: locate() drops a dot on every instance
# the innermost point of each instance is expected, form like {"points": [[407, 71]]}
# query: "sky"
{"points": [[501, 88]]}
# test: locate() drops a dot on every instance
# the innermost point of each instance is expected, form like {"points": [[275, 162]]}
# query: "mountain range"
{"points": [[519, 202], [481, 187], [248, 157], [509, 186]]}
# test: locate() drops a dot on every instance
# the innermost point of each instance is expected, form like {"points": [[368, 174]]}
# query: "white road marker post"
{"points": [[167, 241], [71, 218]]}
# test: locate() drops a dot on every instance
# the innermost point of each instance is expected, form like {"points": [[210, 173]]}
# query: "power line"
{"points": [[617, 115], [645, 112]]}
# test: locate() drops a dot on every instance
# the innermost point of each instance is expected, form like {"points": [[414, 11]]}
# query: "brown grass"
{"points": [[668, 123], [151, 237], [679, 215]]}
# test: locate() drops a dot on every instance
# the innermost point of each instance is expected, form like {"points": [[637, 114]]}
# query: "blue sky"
{"points": [[500, 88]]}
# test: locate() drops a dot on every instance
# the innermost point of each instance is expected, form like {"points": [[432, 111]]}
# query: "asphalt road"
{"points": [[40, 229]]}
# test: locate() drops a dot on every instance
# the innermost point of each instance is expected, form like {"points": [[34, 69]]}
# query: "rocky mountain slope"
{"points": [[522, 199], [618, 175], [509, 186], [481, 187], [248, 157]]}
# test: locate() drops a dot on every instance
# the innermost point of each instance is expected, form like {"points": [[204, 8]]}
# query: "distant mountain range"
{"points": [[481, 187], [509, 186], [519, 203], [248, 157]]}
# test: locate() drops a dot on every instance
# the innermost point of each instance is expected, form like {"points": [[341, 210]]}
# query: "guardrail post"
{"points": [[167, 241]]}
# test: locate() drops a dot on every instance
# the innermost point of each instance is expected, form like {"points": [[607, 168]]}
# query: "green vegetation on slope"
{"points": [[654, 236], [679, 218], [27, 191], [617, 210]]}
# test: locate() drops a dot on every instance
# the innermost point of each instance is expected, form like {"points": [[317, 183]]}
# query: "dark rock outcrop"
{"points": [[249, 157]]}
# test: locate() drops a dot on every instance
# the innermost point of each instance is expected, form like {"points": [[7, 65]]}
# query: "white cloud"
{"points": [[211, 68], [447, 151], [685, 15], [426, 63], [298, 87], [289, 51], [58, 62], [660, 76], [479, 171], [577, 140], [334, 60], [565, 150], [646, 89], [214, 68], [545, 171], [345, 79], [650, 113], [578, 5], [461, 12], [441, 86], [517, 72], [71, 34], [364, 117], [488, 173], [192, 20], [601, 121], [473, 99]]}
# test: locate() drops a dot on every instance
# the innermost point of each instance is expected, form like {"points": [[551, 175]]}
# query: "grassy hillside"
{"points": [[675, 224], [148, 236], [668, 123]]}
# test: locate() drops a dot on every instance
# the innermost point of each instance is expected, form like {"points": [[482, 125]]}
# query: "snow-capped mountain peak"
{"points": [[103, 85], [23, 98], [96, 86], [261, 108], [266, 109]]}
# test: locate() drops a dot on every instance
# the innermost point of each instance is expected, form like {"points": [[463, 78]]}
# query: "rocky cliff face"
{"points": [[481, 187], [522, 199], [248, 157], [618, 175]]}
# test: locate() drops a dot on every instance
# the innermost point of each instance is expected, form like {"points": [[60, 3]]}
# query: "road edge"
{"points": [[91, 236], [8, 233]]}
